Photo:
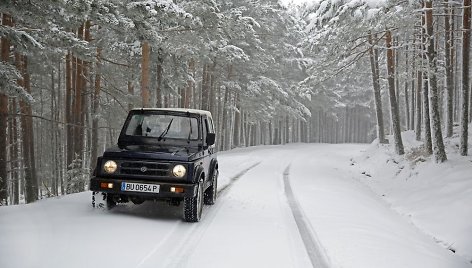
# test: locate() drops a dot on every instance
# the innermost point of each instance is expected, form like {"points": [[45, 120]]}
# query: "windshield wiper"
{"points": [[164, 133]]}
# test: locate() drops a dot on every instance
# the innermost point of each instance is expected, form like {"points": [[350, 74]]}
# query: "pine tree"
{"points": [[465, 78], [5, 54], [373, 55], [448, 47], [428, 144], [438, 143], [392, 95], [145, 74]]}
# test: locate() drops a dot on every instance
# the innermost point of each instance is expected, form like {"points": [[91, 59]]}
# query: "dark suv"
{"points": [[162, 154]]}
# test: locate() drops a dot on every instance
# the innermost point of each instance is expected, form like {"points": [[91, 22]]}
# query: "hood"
{"points": [[152, 152]]}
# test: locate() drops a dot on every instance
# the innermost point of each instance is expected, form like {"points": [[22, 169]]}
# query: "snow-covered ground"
{"points": [[279, 206], [436, 198]]}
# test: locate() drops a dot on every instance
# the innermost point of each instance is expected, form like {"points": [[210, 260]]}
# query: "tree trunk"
{"points": [[393, 100], [68, 112], [396, 60], [78, 113], [449, 71], [346, 129], [212, 89], [465, 78], [376, 85], [407, 102], [205, 87], [5, 54], [287, 129], [413, 92], [130, 86], [428, 144], [60, 149], [84, 106], [145, 74], [225, 122], [95, 107], [438, 143], [160, 62], [455, 63], [54, 143], [31, 183], [418, 105], [14, 158], [190, 84], [220, 110], [426, 117], [237, 124]]}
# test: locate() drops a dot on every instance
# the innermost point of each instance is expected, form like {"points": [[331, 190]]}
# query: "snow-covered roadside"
{"points": [[352, 223], [436, 198]]}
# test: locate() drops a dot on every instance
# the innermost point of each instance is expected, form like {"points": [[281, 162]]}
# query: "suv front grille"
{"points": [[145, 168]]}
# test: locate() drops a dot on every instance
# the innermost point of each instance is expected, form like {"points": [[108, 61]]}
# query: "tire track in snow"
{"points": [[236, 177], [184, 252], [314, 249], [189, 237]]}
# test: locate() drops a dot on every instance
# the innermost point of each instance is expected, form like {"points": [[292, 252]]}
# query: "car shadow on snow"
{"points": [[149, 210]]}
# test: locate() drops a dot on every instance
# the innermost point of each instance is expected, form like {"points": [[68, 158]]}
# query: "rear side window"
{"points": [[207, 127], [209, 123]]}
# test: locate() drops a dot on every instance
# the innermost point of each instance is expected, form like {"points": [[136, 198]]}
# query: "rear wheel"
{"points": [[212, 191], [193, 206]]}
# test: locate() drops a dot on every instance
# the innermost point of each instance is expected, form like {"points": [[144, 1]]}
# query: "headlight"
{"points": [[110, 166], [179, 171]]}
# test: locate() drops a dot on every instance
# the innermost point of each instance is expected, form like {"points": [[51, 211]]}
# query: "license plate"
{"points": [[139, 187]]}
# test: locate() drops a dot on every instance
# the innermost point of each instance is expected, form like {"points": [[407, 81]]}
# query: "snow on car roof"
{"points": [[184, 110]]}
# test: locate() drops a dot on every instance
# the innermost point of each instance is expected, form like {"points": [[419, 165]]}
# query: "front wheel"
{"points": [[111, 203], [103, 201], [193, 206]]}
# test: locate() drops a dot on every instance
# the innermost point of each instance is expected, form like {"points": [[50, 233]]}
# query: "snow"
{"points": [[355, 226], [375, 3], [252, 224], [434, 197]]}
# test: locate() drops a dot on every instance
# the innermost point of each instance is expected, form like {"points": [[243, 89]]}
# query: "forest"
{"points": [[270, 72]]}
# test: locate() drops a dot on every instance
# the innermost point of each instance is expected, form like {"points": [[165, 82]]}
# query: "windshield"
{"points": [[163, 126]]}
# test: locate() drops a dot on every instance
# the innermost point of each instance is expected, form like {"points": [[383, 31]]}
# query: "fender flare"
{"points": [[197, 174], [213, 167]]}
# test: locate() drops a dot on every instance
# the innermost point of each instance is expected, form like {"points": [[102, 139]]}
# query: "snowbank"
{"points": [[436, 198]]}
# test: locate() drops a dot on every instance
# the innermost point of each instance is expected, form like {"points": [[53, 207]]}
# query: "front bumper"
{"points": [[190, 190]]}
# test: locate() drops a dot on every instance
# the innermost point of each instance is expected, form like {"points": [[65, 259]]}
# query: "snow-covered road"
{"points": [[279, 206]]}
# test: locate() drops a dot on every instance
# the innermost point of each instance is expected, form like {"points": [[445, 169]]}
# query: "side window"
{"points": [[210, 126]]}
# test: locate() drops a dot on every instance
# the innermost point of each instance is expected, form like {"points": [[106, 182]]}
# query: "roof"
{"points": [[183, 110]]}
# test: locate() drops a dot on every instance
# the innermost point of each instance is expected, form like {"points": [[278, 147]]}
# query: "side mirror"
{"points": [[210, 139]]}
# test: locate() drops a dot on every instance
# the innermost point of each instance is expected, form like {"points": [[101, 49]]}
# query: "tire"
{"points": [[110, 202], [102, 201], [193, 206], [212, 192]]}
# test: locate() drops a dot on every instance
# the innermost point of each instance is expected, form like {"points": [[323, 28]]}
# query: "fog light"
{"points": [[106, 185], [176, 189]]}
